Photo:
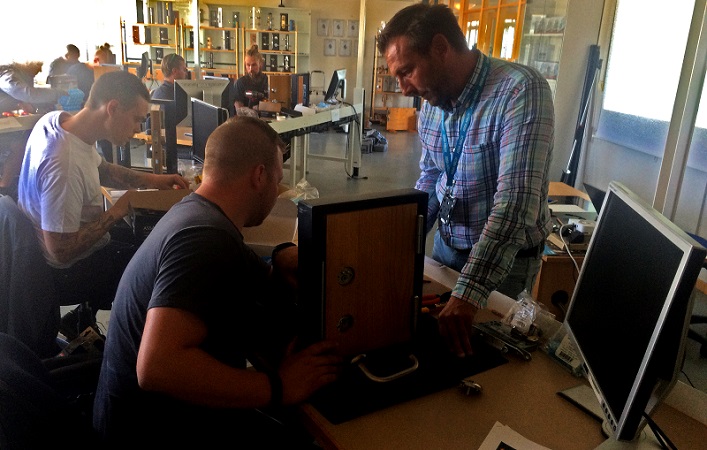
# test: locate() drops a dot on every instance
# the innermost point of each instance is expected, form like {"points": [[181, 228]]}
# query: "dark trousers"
{"points": [[95, 278]]}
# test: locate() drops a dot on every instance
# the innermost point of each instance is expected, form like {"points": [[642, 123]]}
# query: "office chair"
{"points": [[697, 319], [39, 386], [29, 307], [29, 310], [38, 408]]}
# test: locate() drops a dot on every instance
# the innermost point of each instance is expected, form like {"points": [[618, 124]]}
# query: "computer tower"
{"points": [[299, 89], [361, 263]]}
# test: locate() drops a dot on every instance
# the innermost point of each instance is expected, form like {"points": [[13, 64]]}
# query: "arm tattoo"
{"points": [[115, 176]]}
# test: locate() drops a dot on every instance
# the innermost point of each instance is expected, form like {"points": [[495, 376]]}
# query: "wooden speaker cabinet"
{"points": [[361, 263]]}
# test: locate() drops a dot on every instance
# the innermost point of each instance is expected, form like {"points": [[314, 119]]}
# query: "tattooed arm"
{"points": [[63, 247], [115, 176]]}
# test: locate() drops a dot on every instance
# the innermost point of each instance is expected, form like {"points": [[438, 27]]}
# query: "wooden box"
{"points": [[401, 119], [361, 262]]}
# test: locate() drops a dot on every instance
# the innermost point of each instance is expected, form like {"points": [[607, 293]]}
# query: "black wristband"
{"points": [[279, 247], [275, 388]]}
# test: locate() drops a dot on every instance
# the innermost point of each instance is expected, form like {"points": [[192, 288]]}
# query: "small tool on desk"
{"points": [[436, 300], [470, 387]]}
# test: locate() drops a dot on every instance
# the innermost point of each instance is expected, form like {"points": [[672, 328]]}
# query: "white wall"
{"points": [[581, 31]]}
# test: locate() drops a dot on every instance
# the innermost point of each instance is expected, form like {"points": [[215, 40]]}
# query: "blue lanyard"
{"points": [[451, 158]]}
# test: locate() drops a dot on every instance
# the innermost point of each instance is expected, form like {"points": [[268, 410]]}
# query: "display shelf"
{"points": [[385, 92], [543, 35], [228, 28], [156, 29]]}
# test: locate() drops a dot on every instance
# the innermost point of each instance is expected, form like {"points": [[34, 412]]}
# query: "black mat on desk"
{"points": [[354, 395]]}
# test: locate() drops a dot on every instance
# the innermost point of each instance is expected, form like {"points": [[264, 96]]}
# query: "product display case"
{"points": [[541, 43], [220, 39], [157, 29]]}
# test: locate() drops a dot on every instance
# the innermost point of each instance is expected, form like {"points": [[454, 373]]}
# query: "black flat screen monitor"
{"points": [[596, 196], [631, 307], [214, 92], [145, 66], [205, 118], [336, 85]]}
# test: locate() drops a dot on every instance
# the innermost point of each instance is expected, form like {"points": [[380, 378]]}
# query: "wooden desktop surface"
{"points": [[560, 189], [182, 138], [519, 394]]}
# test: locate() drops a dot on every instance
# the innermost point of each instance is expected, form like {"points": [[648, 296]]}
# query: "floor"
{"points": [[398, 168]]}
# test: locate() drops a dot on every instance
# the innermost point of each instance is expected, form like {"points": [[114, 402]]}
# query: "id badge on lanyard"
{"points": [[448, 202], [451, 160]]}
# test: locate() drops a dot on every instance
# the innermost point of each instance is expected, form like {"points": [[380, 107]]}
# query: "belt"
{"points": [[532, 252]]}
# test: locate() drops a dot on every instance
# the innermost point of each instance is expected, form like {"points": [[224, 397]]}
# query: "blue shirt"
{"points": [[501, 181]]}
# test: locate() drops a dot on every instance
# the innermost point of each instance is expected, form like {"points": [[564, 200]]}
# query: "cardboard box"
{"points": [[146, 207], [401, 119], [280, 226]]}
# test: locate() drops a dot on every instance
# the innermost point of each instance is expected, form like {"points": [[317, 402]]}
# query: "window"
{"points": [[652, 44]]}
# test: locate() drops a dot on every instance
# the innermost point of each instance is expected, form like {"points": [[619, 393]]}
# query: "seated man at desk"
{"points": [[195, 302], [252, 87], [173, 68], [60, 190]]}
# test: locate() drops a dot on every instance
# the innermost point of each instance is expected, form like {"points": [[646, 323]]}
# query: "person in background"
{"points": [[17, 92], [486, 128], [17, 89], [60, 190], [252, 87], [84, 71], [60, 65], [195, 302], [173, 68]]}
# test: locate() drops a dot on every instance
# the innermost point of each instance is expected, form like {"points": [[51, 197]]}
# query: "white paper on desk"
{"points": [[503, 437]]}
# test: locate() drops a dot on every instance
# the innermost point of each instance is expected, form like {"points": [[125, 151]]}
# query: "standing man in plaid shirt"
{"points": [[486, 128]]}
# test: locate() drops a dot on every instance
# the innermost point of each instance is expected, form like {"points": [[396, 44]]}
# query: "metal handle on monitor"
{"points": [[359, 360]]}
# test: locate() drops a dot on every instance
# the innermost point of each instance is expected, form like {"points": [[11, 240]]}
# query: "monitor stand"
{"points": [[584, 398], [646, 440]]}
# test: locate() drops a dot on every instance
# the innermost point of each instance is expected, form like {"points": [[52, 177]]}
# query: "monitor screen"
{"points": [[631, 307], [337, 83], [215, 92], [205, 119], [145, 66]]}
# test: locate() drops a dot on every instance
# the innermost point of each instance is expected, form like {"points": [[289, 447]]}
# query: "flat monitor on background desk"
{"points": [[631, 307], [213, 91], [596, 196], [205, 119], [337, 86]]}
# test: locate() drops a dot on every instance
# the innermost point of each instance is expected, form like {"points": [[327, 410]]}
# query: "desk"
{"points": [[14, 132], [557, 277], [300, 127], [182, 138], [519, 394], [558, 274]]}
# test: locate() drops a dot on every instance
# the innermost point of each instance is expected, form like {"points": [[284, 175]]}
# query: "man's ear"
{"points": [[259, 176], [440, 47], [112, 106]]}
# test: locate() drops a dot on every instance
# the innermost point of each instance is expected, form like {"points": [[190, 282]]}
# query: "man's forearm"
{"points": [[64, 247], [120, 177]]}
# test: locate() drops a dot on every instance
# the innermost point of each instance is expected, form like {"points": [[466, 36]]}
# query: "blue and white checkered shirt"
{"points": [[501, 182]]}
